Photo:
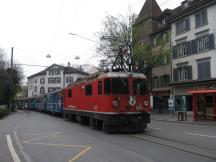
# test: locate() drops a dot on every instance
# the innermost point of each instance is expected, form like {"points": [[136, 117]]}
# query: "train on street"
{"points": [[111, 101]]}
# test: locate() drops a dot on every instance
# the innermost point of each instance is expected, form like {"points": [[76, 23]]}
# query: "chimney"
{"points": [[69, 64]]}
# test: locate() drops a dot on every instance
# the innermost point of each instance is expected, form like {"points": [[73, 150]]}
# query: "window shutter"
{"points": [[206, 69], [198, 20], [174, 51], [188, 46], [175, 75], [189, 70], [177, 28], [187, 24], [200, 71], [211, 42], [193, 46]]}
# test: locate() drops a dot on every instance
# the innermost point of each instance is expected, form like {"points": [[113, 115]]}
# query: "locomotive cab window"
{"points": [[70, 93], [99, 87], [139, 86], [88, 90], [107, 86], [120, 86]]}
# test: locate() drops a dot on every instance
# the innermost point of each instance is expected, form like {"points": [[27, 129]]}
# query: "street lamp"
{"points": [[77, 57], [48, 56]]}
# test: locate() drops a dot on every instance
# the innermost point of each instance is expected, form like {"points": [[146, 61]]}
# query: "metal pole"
{"points": [[12, 57], [10, 100]]}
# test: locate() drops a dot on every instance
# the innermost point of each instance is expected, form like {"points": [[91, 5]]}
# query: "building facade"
{"points": [[189, 32], [193, 33], [53, 78], [152, 28], [161, 73]]}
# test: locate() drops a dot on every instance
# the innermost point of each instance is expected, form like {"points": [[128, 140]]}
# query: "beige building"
{"points": [[53, 78]]}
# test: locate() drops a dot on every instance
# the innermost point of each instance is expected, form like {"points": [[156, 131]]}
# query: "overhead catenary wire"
{"points": [[31, 65], [57, 25]]}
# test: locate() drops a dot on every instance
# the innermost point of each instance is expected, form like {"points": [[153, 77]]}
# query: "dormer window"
{"points": [[182, 25], [163, 21], [51, 72], [201, 18]]}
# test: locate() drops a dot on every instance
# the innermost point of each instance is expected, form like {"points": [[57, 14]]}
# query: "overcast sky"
{"points": [[36, 28]]}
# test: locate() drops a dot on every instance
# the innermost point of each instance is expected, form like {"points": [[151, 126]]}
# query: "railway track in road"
{"points": [[177, 145]]}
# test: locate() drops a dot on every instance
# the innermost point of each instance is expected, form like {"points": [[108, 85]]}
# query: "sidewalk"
{"points": [[174, 118]]}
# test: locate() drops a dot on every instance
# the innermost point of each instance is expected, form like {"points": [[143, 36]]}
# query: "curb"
{"points": [[185, 122]]}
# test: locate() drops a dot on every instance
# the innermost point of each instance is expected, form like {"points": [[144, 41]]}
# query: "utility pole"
{"points": [[12, 57], [10, 106]]}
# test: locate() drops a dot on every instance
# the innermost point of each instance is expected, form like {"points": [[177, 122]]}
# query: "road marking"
{"points": [[79, 155], [201, 135], [33, 139], [18, 143], [12, 151], [155, 128], [54, 144], [39, 134]]}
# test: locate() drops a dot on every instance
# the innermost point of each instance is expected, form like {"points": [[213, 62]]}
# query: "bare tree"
{"points": [[115, 42], [2, 59]]}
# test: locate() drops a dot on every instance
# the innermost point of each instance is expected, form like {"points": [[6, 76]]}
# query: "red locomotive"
{"points": [[113, 101]]}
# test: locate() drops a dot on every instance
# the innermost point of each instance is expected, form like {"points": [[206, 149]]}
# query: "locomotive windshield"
{"points": [[139, 87], [120, 86]]}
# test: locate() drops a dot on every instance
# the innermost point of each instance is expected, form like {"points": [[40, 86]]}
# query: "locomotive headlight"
{"points": [[115, 103], [145, 103]]}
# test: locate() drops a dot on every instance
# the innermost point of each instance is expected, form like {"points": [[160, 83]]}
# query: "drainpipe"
{"points": [[171, 66]]}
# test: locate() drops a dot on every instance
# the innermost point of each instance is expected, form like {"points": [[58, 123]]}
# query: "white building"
{"points": [[193, 33], [52, 78]]}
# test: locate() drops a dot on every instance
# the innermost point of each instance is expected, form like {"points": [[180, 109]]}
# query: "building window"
{"points": [[182, 73], [183, 26], [203, 43], [51, 72], [164, 80], [58, 80], [181, 49], [35, 81], [51, 80], [42, 80], [57, 72], [163, 22], [54, 80], [50, 89], [35, 88], [42, 90], [183, 103], [201, 18], [204, 71], [88, 90], [69, 80], [155, 82]]}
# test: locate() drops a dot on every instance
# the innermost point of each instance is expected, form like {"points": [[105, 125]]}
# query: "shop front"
{"points": [[204, 104], [160, 101]]}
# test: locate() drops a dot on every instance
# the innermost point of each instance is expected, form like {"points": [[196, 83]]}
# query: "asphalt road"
{"points": [[38, 137]]}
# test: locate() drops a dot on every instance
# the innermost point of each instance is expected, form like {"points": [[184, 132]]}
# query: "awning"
{"points": [[202, 91]]}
